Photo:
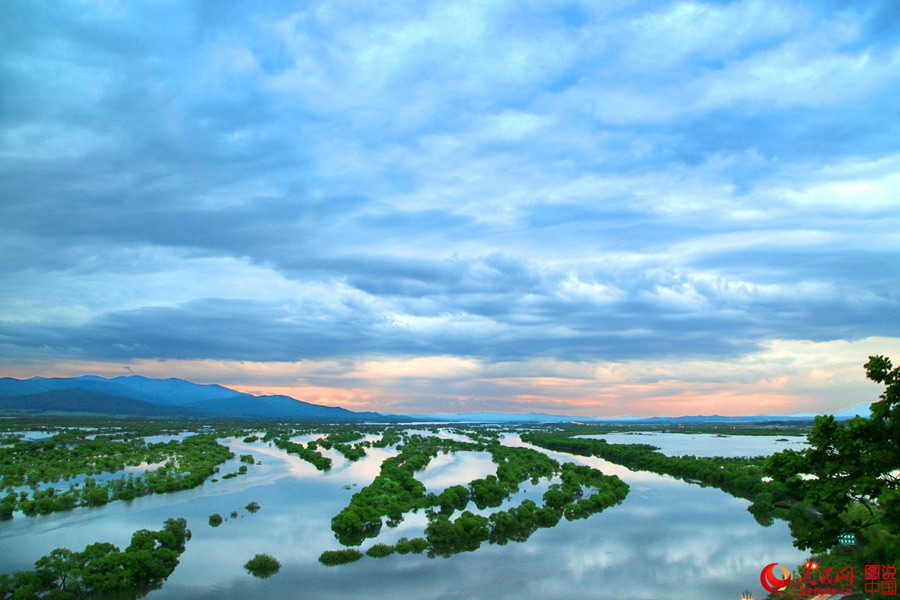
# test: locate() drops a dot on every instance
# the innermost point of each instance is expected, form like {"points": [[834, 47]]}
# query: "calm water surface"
{"points": [[668, 539], [707, 444]]}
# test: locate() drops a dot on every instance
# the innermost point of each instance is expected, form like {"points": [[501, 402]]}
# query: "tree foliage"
{"points": [[380, 551], [102, 568], [849, 465], [396, 491], [185, 464], [262, 566], [307, 453], [330, 558]]}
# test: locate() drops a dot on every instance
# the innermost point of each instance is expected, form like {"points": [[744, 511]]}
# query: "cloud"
{"points": [[783, 376], [501, 184]]}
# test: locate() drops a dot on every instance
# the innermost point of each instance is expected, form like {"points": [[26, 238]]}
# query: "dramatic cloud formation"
{"points": [[660, 207]]}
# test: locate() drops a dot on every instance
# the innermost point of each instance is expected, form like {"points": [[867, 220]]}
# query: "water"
{"points": [[707, 444], [668, 539], [457, 468]]}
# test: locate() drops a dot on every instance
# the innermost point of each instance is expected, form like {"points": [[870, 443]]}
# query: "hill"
{"points": [[144, 397], [85, 402]]}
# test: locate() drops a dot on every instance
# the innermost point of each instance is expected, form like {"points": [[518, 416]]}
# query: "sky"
{"points": [[584, 208]]}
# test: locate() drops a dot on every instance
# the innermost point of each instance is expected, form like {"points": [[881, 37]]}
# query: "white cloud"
{"points": [[540, 187], [856, 187], [708, 31], [783, 376]]}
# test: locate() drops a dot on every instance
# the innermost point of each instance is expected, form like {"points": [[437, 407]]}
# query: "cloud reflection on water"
{"points": [[667, 539], [458, 468]]}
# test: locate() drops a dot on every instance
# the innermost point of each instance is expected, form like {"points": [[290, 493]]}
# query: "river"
{"points": [[668, 539]]}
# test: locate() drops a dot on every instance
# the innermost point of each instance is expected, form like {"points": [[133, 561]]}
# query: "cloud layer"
{"points": [[518, 187]]}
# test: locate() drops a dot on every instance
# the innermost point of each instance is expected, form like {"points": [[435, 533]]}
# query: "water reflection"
{"points": [[143, 467], [296, 467], [458, 468], [413, 525], [305, 438], [668, 539], [708, 444], [606, 467], [451, 435], [165, 439], [364, 470]]}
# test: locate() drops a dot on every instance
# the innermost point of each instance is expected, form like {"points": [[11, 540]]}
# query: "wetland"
{"points": [[388, 511]]}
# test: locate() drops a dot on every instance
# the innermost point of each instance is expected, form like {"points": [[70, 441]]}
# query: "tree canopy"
{"points": [[102, 569], [848, 479], [262, 566]]}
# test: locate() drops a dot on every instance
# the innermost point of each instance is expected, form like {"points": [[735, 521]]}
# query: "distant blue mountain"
{"points": [[282, 407], [173, 392], [76, 401], [141, 396]]}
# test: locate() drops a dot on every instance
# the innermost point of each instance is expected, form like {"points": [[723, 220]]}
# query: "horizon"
{"points": [[441, 413], [647, 208]]}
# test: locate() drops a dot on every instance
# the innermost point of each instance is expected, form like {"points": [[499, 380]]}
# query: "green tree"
{"points": [[847, 478], [380, 551], [330, 558], [102, 569], [262, 565], [58, 567], [178, 528]]}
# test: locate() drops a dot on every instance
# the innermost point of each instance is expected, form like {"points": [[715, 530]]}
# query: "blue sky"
{"points": [[583, 208]]}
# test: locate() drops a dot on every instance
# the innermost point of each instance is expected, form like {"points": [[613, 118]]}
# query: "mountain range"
{"points": [[143, 397], [137, 396]]}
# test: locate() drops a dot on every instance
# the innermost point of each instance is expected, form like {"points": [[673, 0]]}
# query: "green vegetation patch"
{"points": [[414, 546], [846, 481], [380, 551], [307, 453], [340, 557], [186, 464], [262, 566], [740, 477], [396, 491], [102, 569]]}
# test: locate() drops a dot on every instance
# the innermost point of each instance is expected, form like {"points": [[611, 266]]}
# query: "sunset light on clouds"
{"points": [[598, 209]]}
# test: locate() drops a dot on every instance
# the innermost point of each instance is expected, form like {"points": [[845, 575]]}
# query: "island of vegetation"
{"points": [[330, 558], [102, 568], [71, 453], [396, 491], [262, 566], [743, 477]]}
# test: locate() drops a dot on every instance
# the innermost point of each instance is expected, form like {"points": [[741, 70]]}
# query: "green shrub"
{"points": [[262, 565], [380, 551], [340, 557]]}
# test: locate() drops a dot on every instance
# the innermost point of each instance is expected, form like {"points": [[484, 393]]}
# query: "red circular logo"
{"points": [[772, 582]]}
